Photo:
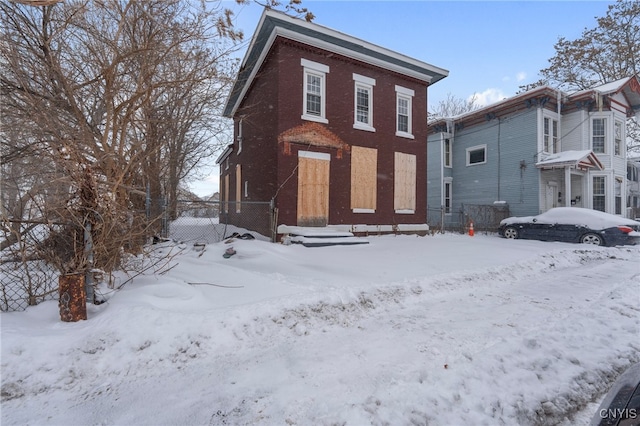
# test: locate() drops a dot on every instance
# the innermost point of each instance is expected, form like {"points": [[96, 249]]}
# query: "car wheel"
{"points": [[511, 233], [592, 239]]}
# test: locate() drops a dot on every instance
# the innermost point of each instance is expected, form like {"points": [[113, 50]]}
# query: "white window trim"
{"points": [[320, 70], [366, 83], [363, 210], [622, 138], [444, 153], [619, 189], [607, 121], [315, 155], [592, 192], [476, 148], [447, 181], [558, 139], [408, 94]]}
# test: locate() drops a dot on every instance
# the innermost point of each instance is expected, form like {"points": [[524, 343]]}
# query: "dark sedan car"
{"points": [[621, 405], [573, 225]]}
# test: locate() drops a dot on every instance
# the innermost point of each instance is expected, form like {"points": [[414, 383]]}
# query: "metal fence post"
{"points": [[88, 251], [165, 223]]}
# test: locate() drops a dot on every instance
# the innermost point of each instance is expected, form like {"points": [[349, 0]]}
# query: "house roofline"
{"points": [[505, 106], [273, 24], [629, 86], [225, 154]]}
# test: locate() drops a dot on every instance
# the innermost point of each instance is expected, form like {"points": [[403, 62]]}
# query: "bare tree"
{"points": [[452, 106], [111, 97], [603, 54], [293, 7], [606, 53]]}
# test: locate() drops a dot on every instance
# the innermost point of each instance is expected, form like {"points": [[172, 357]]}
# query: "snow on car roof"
{"points": [[593, 219]]}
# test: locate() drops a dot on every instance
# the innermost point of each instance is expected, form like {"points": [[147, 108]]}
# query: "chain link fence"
{"points": [[485, 218], [206, 222], [25, 278]]}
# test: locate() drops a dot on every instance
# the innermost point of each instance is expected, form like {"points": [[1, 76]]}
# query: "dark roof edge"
{"points": [[496, 106], [273, 24]]}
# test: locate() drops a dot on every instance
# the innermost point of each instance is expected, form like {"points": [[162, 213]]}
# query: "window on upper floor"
{"points": [[476, 155], [446, 150], [404, 107], [550, 135], [598, 133], [363, 108], [314, 97], [617, 138]]}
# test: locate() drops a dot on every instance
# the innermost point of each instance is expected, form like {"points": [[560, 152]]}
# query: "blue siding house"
{"points": [[532, 152]]}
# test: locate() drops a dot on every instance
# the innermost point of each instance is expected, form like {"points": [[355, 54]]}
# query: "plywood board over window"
{"points": [[226, 193], [404, 188], [364, 171], [238, 187]]}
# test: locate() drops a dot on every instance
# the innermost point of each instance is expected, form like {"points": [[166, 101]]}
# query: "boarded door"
{"points": [[313, 188]]}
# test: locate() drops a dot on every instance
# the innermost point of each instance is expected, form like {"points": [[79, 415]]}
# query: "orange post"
{"points": [[471, 232]]}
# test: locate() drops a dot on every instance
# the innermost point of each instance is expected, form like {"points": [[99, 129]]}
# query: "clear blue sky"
{"points": [[489, 47]]}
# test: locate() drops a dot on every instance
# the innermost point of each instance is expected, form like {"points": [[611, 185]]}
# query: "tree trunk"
{"points": [[72, 303]]}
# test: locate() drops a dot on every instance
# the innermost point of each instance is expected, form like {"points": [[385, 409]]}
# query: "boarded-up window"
{"points": [[238, 187], [364, 166], [404, 188], [226, 193]]}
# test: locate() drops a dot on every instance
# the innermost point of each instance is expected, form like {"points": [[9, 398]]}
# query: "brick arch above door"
{"points": [[312, 134]]}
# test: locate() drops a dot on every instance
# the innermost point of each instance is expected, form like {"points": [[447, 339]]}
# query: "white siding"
{"points": [[573, 129]]}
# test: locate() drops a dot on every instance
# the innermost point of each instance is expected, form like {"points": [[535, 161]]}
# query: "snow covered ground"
{"points": [[438, 330]]}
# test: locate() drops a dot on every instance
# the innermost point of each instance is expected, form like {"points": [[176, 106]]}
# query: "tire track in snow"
{"points": [[489, 349]]}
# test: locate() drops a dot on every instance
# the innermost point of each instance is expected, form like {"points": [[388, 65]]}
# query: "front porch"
{"points": [[565, 180]]}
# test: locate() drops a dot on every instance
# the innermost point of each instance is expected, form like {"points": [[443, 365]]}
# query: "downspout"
{"points": [[567, 170], [499, 158], [442, 139], [451, 128], [559, 111]]}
